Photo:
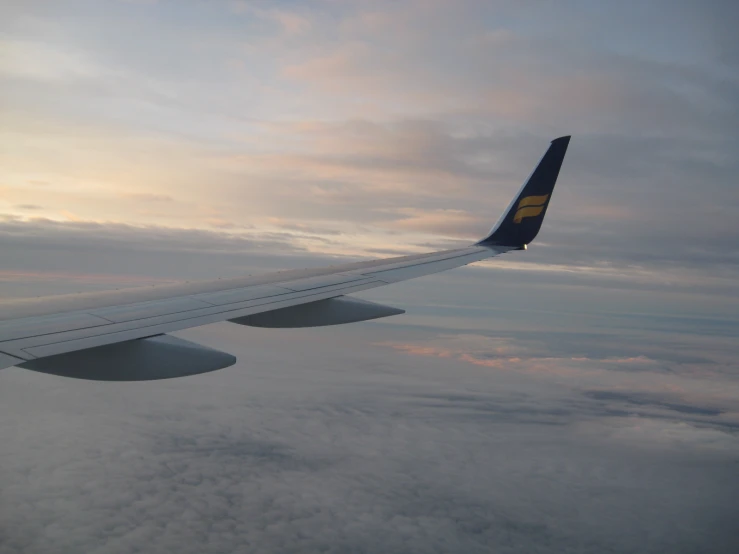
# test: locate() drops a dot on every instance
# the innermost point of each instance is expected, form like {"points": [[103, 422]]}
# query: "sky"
{"points": [[580, 396]]}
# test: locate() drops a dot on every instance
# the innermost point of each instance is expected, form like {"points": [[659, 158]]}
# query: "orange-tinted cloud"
{"points": [[508, 355]]}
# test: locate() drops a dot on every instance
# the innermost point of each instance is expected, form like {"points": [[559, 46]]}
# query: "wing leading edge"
{"points": [[74, 335]]}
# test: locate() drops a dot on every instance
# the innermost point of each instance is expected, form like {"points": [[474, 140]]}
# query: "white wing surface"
{"points": [[119, 335]]}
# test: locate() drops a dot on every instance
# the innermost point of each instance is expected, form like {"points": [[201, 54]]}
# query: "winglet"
{"points": [[523, 219]]}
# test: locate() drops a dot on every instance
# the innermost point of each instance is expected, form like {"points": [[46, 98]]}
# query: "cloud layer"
{"points": [[365, 450]]}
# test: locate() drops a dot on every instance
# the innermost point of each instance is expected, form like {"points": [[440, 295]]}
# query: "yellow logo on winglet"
{"points": [[529, 207]]}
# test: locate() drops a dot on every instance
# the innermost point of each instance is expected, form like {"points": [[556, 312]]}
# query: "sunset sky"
{"points": [[147, 141]]}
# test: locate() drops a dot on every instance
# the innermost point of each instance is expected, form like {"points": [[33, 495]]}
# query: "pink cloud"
{"points": [[455, 223], [506, 355]]}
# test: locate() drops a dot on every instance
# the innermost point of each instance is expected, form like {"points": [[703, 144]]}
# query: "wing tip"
{"points": [[521, 222], [564, 139]]}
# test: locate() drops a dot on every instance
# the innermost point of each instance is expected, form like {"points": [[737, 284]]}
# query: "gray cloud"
{"points": [[80, 255], [47, 257], [649, 179], [642, 399], [355, 450]]}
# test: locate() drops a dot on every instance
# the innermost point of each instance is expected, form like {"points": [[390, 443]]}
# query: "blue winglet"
{"points": [[523, 219]]}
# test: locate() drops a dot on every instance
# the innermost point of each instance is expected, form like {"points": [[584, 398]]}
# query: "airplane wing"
{"points": [[121, 335]]}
